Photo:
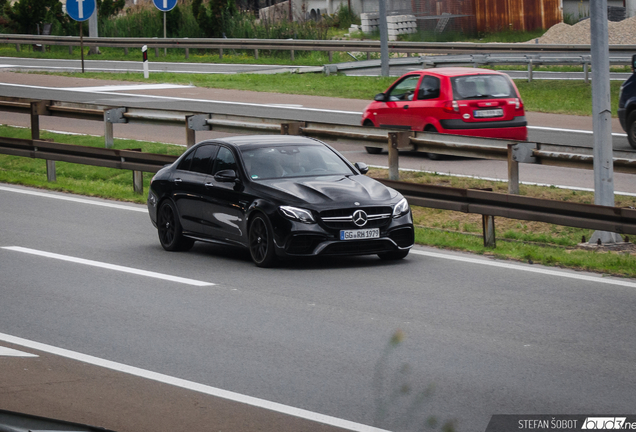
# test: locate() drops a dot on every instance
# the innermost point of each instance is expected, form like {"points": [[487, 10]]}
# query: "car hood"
{"points": [[334, 189]]}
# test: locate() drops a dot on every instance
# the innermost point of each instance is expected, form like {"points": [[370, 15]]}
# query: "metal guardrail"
{"points": [[514, 152], [590, 216], [488, 204], [303, 45]]}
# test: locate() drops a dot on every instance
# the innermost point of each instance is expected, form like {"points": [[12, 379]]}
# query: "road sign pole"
{"points": [[384, 40], [165, 50], [602, 115], [82, 43]]}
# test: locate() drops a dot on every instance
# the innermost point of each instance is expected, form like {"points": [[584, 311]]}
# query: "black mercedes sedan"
{"points": [[278, 196]]}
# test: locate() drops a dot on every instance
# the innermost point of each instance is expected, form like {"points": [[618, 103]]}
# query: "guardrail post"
{"points": [[17, 47], [396, 140], [586, 69], [292, 55], [51, 175], [256, 54], [37, 109], [138, 182], [513, 172], [187, 53], [70, 49], [198, 122], [220, 53], [125, 51], [115, 115], [293, 128], [330, 56], [488, 222], [529, 70]]}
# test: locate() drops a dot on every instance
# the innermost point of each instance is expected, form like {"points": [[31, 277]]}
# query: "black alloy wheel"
{"points": [[261, 242], [169, 229], [631, 129]]}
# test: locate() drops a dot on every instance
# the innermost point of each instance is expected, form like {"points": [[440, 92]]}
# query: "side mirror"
{"points": [[226, 176], [362, 167], [380, 97], [634, 62]]}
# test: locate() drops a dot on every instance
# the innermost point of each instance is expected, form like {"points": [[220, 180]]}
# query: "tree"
{"points": [[109, 8], [214, 21], [26, 15]]}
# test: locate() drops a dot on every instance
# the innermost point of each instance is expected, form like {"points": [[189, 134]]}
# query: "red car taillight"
{"points": [[451, 106]]}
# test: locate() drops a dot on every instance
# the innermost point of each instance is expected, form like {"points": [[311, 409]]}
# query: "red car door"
{"points": [[395, 110]]}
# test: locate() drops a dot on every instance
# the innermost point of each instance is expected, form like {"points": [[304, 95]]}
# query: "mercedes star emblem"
{"points": [[359, 218]]}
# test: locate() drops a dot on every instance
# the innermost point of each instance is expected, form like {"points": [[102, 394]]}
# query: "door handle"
{"points": [[406, 107], [209, 185], [177, 181]]}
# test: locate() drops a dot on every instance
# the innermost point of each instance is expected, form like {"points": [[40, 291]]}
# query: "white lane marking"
{"points": [[127, 87], [108, 266], [538, 269], [74, 199], [9, 352], [572, 130], [197, 100], [190, 385]]}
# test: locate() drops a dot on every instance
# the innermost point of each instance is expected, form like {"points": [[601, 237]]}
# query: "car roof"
{"points": [[265, 140], [457, 71]]}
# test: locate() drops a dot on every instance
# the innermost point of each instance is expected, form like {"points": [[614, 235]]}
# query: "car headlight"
{"points": [[401, 208], [297, 214]]}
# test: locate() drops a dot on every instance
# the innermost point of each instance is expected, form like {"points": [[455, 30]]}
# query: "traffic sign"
{"points": [[165, 5], [80, 10]]}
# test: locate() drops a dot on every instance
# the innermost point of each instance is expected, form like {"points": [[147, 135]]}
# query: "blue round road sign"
{"points": [[165, 5], [80, 10]]}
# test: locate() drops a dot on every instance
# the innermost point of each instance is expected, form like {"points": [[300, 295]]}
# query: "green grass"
{"points": [[620, 264], [80, 179]]}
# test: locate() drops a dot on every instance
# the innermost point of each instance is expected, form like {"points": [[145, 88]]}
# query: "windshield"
{"points": [[482, 87], [292, 161]]}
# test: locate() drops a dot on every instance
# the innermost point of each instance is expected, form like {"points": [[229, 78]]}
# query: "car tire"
{"points": [[169, 229], [394, 255], [371, 150], [631, 129], [261, 242]]}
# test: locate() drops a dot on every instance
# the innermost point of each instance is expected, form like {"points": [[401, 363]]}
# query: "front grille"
{"points": [[403, 237], [303, 244], [377, 217]]}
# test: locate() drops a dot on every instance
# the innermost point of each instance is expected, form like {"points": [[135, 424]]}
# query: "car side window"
{"points": [[185, 164], [404, 90], [224, 161], [429, 88], [202, 159]]}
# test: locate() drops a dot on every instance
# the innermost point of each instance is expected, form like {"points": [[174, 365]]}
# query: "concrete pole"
{"points": [[384, 40], [93, 31], [630, 8], [602, 117]]}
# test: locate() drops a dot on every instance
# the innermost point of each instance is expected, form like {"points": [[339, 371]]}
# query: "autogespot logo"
{"points": [[606, 423], [359, 218]]}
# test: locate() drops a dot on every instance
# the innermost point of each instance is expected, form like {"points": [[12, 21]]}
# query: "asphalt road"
{"points": [[491, 337]]}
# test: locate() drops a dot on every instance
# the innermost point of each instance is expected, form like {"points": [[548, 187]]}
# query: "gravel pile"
{"points": [[621, 32]]}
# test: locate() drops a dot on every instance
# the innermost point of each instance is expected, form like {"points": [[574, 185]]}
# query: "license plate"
{"points": [[488, 113], [360, 234]]}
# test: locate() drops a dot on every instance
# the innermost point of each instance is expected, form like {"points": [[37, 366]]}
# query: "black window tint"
{"points": [[224, 161], [429, 89], [201, 162], [186, 162]]}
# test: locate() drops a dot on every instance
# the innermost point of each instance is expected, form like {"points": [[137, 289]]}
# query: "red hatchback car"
{"points": [[454, 100]]}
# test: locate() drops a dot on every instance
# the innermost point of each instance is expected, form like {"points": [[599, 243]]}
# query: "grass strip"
{"points": [[536, 242]]}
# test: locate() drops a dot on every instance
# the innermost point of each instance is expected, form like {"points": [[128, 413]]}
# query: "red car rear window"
{"points": [[482, 87]]}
